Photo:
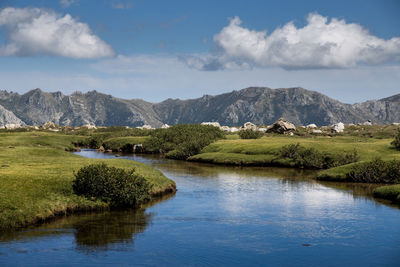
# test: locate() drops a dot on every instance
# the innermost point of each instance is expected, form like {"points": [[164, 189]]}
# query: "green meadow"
{"points": [[36, 174]]}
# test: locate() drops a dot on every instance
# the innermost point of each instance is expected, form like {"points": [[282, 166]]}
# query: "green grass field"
{"points": [[36, 175], [265, 151]]}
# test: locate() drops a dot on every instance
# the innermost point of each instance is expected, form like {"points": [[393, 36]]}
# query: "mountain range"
{"points": [[260, 105]]}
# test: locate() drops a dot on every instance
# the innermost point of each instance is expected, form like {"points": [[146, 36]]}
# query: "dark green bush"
{"points": [[115, 186], [396, 141], [376, 171], [182, 141], [311, 158], [250, 134]]}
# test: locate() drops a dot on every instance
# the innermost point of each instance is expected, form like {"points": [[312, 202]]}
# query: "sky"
{"points": [[154, 50]]}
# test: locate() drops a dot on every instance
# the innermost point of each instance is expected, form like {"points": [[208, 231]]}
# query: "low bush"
{"points": [[124, 144], [250, 134], [311, 158], [182, 141], [375, 171], [391, 192], [396, 141], [115, 186]]}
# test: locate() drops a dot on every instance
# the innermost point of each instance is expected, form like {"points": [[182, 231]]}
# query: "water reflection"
{"points": [[293, 179], [102, 231], [223, 216], [92, 231]]}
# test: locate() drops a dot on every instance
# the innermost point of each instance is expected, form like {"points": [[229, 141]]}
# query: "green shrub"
{"points": [[182, 141], [396, 141], [376, 171], [391, 192], [115, 186], [250, 134], [311, 158]]}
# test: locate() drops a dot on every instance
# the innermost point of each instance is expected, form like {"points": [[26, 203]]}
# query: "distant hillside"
{"points": [[259, 105]]}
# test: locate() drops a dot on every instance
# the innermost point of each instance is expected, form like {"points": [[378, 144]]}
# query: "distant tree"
{"points": [[250, 134], [396, 141], [182, 141]]}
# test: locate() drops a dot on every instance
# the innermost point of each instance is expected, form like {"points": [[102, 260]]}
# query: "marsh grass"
{"points": [[36, 175]]}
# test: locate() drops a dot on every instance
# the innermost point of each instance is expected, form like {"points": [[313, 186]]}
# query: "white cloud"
{"points": [[319, 44], [35, 31], [158, 77]]}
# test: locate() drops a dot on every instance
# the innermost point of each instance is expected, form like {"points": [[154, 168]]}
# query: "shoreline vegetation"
{"points": [[337, 155], [37, 174], [37, 168]]}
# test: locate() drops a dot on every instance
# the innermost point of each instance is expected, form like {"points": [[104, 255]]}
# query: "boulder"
{"points": [[315, 131], [215, 124], [165, 126], [138, 148], [337, 127], [49, 125], [90, 126], [11, 126], [249, 126], [281, 126], [146, 127], [225, 128], [311, 126], [367, 123]]}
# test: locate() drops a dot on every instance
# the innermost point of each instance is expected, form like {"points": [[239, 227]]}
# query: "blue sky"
{"points": [[349, 50]]}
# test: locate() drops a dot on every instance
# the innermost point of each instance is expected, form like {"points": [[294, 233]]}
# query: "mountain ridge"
{"points": [[260, 105]]}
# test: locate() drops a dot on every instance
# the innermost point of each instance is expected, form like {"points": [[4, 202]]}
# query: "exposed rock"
{"points": [[165, 126], [311, 126], [337, 127], [225, 128], [215, 124], [260, 105], [49, 125], [8, 117], [90, 126], [146, 127], [316, 131], [11, 126], [367, 123], [249, 126], [138, 148], [281, 126]]}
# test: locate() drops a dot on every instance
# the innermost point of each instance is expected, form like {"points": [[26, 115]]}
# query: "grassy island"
{"points": [[36, 174]]}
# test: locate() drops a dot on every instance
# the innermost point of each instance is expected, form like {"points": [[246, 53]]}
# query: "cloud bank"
{"points": [[35, 31], [319, 44]]}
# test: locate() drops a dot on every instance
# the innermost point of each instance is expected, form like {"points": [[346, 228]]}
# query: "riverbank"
{"points": [[36, 174], [266, 152], [336, 155]]}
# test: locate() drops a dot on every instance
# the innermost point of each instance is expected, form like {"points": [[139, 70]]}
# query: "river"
{"points": [[222, 216]]}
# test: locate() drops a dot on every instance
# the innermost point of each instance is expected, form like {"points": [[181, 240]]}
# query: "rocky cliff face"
{"points": [[265, 106], [259, 105], [7, 117]]}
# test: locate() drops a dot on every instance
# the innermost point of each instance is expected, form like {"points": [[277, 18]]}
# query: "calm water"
{"points": [[222, 216]]}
